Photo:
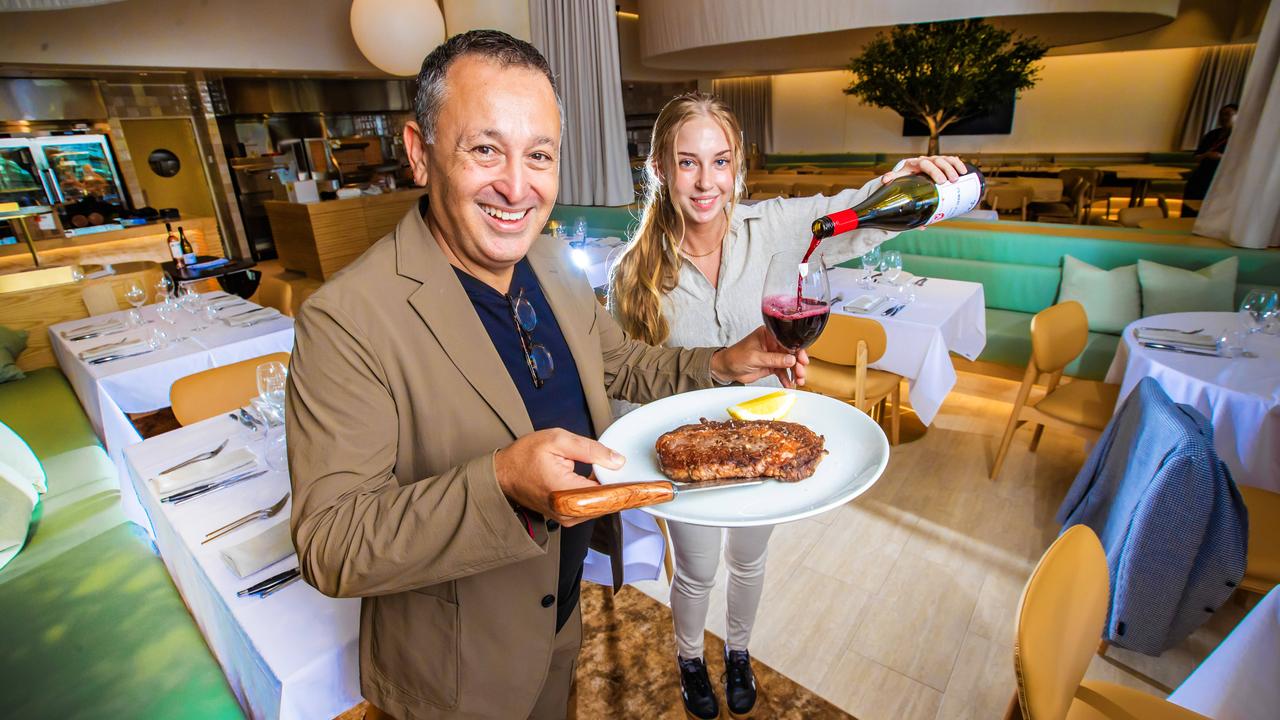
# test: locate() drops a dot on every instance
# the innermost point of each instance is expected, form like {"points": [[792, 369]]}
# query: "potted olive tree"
{"points": [[942, 72]]}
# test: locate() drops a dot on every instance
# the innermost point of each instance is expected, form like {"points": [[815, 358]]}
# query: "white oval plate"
{"points": [[857, 454]]}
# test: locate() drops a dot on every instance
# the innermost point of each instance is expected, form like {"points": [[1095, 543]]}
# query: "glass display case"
{"points": [[75, 173]]}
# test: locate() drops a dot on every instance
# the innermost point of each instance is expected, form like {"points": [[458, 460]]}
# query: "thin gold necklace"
{"points": [[719, 246]]}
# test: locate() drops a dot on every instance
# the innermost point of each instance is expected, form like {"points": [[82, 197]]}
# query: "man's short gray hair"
{"points": [[492, 44]]}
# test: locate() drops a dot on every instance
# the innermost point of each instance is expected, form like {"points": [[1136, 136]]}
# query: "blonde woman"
{"points": [[692, 275]]}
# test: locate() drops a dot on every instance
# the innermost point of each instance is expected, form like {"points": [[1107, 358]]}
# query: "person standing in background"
{"points": [[1209, 154]]}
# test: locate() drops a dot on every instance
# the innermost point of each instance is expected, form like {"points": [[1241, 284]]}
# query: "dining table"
{"points": [[292, 654], [1240, 396], [938, 317], [1142, 175], [1238, 679], [139, 383], [1042, 189]]}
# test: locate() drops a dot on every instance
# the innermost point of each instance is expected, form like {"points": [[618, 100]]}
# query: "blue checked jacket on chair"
{"points": [[1169, 515]]}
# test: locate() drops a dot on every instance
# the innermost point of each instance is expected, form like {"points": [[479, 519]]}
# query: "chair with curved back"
{"points": [[1058, 335], [1093, 176], [1060, 619], [219, 390], [838, 367], [1009, 199], [1262, 564], [276, 293]]}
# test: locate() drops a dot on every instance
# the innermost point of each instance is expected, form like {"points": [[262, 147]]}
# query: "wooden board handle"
{"points": [[605, 499]]}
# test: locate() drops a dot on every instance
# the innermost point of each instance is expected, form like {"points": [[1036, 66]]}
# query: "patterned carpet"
{"points": [[627, 668]]}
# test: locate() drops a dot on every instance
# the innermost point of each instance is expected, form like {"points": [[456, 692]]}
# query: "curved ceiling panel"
{"points": [[755, 36]]}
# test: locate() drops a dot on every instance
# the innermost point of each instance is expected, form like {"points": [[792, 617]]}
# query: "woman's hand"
{"points": [[758, 355], [939, 168]]}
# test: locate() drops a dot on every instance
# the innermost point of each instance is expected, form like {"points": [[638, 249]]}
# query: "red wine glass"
{"points": [[796, 302]]}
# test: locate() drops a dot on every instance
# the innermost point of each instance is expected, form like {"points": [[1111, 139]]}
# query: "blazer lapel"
{"points": [[443, 305], [575, 322]]}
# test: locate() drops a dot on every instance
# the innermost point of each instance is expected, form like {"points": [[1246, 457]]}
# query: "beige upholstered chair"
{"points": [[838, 368], [1058, 335], [219, 390], [1262, 566], [276, 293]]}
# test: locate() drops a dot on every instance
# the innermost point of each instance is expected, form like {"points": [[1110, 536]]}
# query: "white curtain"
{"points": [[1221, 79], [580, 40], [1242, 206], [751, 99]]}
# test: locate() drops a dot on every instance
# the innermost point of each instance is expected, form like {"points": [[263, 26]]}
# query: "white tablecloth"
{"points": [[947, 316], [1239, 680], [595, 258], [1240, 396], [293, 654], [141, 384]]}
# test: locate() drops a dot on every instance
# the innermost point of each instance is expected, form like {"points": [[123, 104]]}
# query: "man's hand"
{"points": [[939, 168], [756, 356], [538, 464]]}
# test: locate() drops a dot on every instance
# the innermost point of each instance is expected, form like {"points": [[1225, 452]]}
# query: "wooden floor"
{"points": [[901, 604]]}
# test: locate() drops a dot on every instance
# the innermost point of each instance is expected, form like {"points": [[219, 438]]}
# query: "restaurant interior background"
{"points": [[265, 131]]}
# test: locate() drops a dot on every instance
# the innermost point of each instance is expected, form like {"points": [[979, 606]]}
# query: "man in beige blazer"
{"points": [[420, 482]]}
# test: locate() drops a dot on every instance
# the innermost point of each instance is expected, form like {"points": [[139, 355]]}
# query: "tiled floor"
{"points": [[901, 604]]}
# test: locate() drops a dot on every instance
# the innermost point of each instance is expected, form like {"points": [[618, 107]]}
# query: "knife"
{"points": [[1176, 348], [604, 499], [110, 358], [271, 582], [192, 493]]}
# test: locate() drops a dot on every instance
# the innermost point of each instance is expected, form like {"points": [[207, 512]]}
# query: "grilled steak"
{"points": [[711, 450]]}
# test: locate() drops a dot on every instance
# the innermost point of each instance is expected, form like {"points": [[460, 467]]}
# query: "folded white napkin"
{"points": [[865, 304], [1168, 337], [224, 463], [227, 301], [253, 316], [125, 348], [903, 278], [265, 547], [97, 327]]}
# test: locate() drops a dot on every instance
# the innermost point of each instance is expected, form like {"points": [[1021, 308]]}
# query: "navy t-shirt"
{"points": [[559, 403]]}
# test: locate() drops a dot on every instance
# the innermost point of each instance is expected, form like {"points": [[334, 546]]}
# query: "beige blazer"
{"points": [[397, 401]]}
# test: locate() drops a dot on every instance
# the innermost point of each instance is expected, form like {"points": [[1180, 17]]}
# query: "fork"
{"points": [[263, 514], [197, 458], [1184, 332]]}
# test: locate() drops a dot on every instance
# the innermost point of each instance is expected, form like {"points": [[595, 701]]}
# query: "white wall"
{"points": [[1109, 102]]}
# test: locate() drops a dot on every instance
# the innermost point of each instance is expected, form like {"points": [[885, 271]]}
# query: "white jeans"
{"points": [[697, 557]]}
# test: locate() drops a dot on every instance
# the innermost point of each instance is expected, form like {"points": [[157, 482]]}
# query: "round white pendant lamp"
{"points": [[395, 35]]}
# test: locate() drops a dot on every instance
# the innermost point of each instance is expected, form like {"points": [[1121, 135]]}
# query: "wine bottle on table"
{"points": [[907, 202], [175, 246], [188, 253]]}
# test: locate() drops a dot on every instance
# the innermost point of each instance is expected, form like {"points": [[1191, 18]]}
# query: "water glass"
{"points": [[580, 231], [1231, 343], [158, 339], [891, 266], [167, 312], [134, 318], [271, 382]]}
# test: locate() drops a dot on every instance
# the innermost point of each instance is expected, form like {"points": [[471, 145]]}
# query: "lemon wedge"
{"points": [[773, 406]]}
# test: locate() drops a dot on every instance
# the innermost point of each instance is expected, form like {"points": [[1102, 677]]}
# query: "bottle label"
{"points": [[957, 198]]}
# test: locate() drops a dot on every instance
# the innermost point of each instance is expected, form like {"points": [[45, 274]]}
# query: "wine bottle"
{"points": [[188, 253], [907, 202], [175, 246]]}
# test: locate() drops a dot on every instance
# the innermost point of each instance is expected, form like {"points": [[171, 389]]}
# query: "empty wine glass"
{"points": [[870, 263], [164, 288], [580, 231], [797, 299], [189, 301], [271, 382], [1258, 307], [891, 266], [135, 294], [167, 312]]}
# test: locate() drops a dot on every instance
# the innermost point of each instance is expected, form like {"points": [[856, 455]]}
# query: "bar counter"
{"points": [[131, 244], [320, 238]]}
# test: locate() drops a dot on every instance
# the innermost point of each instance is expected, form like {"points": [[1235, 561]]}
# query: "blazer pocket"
{"points": [[415, 646]]}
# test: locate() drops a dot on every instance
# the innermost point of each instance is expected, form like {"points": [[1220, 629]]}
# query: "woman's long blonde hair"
{"points": [[649, 267]]}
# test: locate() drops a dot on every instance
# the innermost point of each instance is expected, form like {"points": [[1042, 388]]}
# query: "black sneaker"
{"points": [[739, 682], [695, 687]]}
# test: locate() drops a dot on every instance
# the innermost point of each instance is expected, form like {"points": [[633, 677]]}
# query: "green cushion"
{"points": [[44, 410], [65, 521], [601, 221], [12, 343], [1169, 290], [1023, 288], [100, 632], [1110, 297]]}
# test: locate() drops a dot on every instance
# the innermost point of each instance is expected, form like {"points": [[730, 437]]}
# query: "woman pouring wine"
{"points": [[695, 274]]}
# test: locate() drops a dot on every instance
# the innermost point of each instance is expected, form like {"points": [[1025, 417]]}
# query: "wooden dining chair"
{"points": [[838, 368], [1262, 563], [275, 293], [1060, 617], [1007, 199], [219, 390], [1058, 335]]}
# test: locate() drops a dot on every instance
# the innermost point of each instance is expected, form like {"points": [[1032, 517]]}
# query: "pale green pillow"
{"points": [[18, 498], [16, 454], [1110, 297], [1170, 290], [12, 343]]}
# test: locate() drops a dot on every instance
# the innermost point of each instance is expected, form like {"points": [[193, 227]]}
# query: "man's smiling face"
{"points": [[493, 168]]}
